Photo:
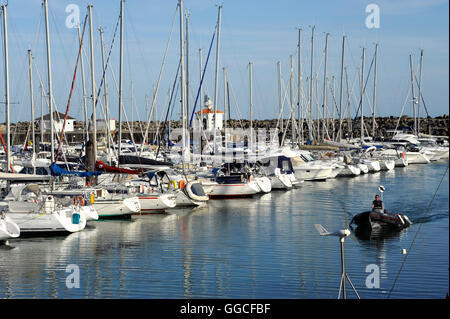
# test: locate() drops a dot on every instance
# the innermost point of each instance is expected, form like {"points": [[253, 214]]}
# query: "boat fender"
{"points": [[401, 219], [250, 179], [172, 184], [82, 203], [92, 198], [403, 154], [182, 184]]}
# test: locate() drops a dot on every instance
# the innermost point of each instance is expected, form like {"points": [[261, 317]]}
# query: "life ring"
{"points": [[182, 184], [172, 184]]}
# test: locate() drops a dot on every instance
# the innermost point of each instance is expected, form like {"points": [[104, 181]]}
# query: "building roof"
{"points": [[56, 115], [208, 111]]}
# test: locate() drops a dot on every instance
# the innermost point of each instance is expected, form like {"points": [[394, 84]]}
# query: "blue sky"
{"points": [[262, 32]]}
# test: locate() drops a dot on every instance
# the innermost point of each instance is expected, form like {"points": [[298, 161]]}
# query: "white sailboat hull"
{"points": [[8, 229]]}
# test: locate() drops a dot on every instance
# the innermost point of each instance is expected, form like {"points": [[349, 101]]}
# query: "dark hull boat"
{"points": [[380, 218]]}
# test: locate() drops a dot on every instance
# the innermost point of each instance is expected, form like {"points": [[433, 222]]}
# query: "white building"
{"points": [[205, 117], [58, 120], [101, 125]]}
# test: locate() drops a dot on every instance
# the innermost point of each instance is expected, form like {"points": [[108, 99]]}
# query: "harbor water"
{"points": [[263, 247]]}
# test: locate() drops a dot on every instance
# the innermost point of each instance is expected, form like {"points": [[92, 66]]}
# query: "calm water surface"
{"points": [[265, 247]]}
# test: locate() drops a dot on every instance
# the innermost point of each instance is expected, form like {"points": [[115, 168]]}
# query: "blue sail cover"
{"points": [[58, 171]]}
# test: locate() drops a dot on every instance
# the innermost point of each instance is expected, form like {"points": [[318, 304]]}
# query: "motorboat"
{"points": [[380, 217]]}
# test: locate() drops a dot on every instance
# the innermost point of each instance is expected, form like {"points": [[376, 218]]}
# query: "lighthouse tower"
{"points": [[205, 117]]}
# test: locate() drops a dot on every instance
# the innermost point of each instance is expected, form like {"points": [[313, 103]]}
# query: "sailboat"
{"points": [[34, 212]]}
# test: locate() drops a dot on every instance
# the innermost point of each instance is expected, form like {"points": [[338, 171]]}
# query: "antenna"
{"points": [[341, 234]]}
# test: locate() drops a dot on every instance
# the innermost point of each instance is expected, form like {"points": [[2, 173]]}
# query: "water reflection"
{"points": [[263, 247]]}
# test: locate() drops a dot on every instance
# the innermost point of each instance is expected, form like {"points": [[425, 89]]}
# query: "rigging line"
{"points": [[156, 90], [421, 96], [415, 236], [403, 107], [72, 86], [364, 90], [168, 109], [201, 81]]}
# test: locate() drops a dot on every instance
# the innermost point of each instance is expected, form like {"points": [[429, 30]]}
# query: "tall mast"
{"points": [[349, 116], [84, 87], [299, 90], [291, 102], [362, 93], [412, 91], [201, 96], [280, 95], [41, 128], [225, 104], [30, 69], [217, 75], [187, 67], [94, 116], [105, 88], [132, 110], [250, 74], [341, 88], [333, 100], [374, 91], [50, 92], [7, 113], [120, 78], [311, 86], [182, 84], [324, 94], [420, 92]]}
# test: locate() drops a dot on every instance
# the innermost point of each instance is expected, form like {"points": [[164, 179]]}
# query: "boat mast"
{"points": [[225, 105], [50, 93], [341, 90], [7, 113], [183, 85], [94, 116], [412, 91], [299, 90], [311, 86], [120, 79], [362, 94], [291, 102], [33, 136], [349, 116], [105, 92], [42, 113], [250, 74], [280, 98], [374, 91], [83, 87], [324, 86], [201, 97], [420, 92], [217, 76], [187, 68]]}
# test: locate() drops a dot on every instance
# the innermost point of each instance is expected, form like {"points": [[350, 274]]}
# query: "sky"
{"points": [[262, 32]]}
